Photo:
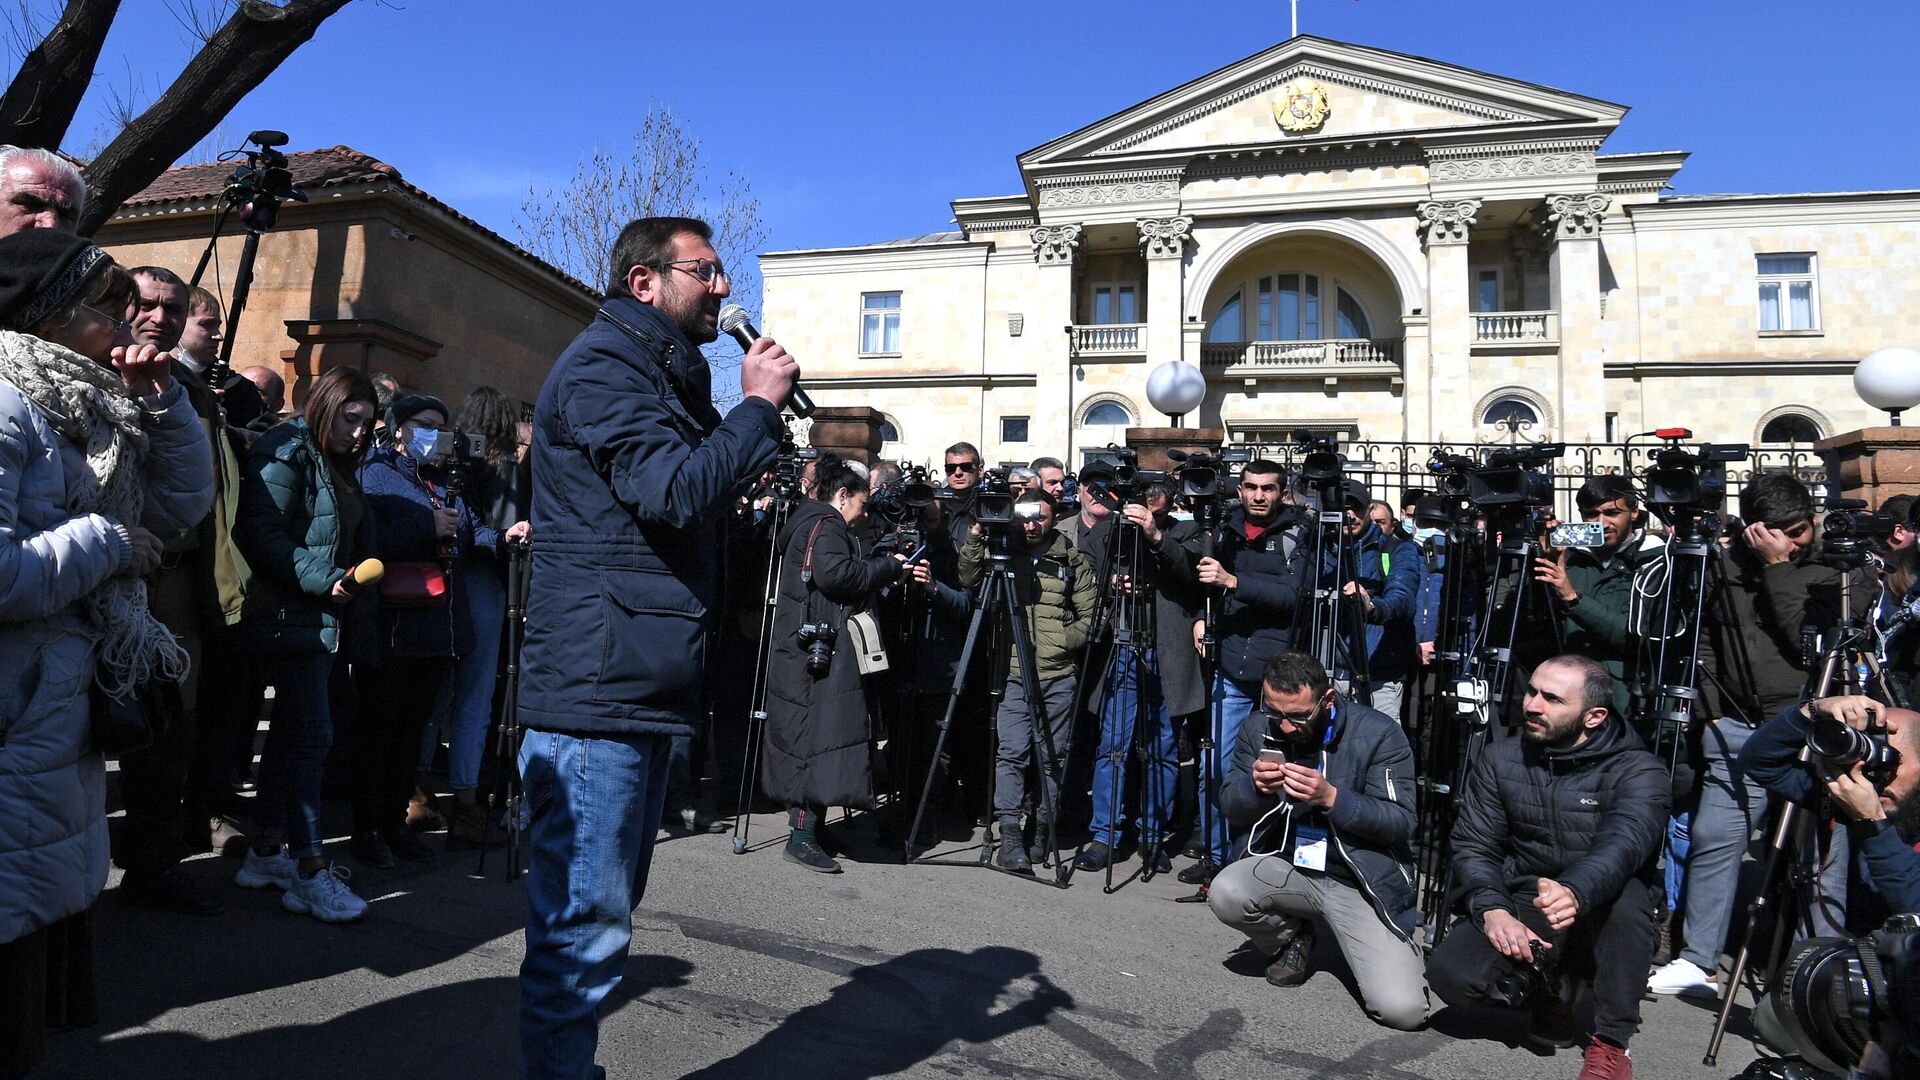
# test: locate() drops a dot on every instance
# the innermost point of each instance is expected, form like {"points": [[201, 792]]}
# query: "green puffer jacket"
{"points": [[1057, 587], [289, 530]]}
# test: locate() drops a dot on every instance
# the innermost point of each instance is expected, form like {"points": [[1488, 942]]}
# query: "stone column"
{"points": [[1440, 392], [1152, 444], [1049, 311], [1874, 464], [1575, 271], [850, 432], [1164, 242]]}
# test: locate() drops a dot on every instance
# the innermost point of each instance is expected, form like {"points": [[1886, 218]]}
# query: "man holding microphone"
{"points": [[635, 472]]}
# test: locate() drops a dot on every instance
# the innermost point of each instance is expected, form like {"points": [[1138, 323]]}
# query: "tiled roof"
{"points": [[315, 171]]}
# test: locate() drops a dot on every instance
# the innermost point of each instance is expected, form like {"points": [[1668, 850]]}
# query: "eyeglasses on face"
{"points": [[962, 466], [706, 270], [113, 323]]}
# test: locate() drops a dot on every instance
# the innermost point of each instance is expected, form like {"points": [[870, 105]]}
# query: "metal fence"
{"points": [[1391, 469]]}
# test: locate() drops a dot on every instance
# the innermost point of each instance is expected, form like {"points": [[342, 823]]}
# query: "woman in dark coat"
{"points": [[818, 743]]}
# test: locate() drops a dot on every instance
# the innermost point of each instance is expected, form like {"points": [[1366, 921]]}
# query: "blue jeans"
{"points": [[468, 712], [1232, 703], [592, 809], [1124, 700], [1728, 808], [295, 757]]}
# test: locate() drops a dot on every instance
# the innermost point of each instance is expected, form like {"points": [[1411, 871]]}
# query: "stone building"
{"points": [[371, 271], [1357, 240]]}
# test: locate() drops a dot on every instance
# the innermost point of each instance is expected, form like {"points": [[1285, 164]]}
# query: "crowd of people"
{"points": [[1147, 680]]}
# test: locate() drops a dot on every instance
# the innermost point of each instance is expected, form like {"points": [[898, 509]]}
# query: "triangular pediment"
{"points": [[1370, 93]]}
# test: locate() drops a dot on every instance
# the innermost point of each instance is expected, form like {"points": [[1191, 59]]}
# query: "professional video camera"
{"points": [[1198, 473], [1117, 482], [1837, 995], [911, 492], [993, 499], [789, 469], [1680, 478], [260, 184], [1849, 530], [1322, 469], [1514, 477]]}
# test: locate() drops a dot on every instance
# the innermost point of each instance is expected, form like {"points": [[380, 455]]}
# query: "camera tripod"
{"points": [[506, 790], [1848, 663], [1209, 781], [786, 496], [1441, 740], [1332, 615], [1000, 599]]}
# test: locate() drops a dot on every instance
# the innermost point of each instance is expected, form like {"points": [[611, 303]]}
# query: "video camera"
{"points": [[258, 187], [1850, 529], [992, 498], [1836, 995], [1514, 477], [913, 491], [1199, 474], [789, 469], [1117, 482], [1678, 477]]}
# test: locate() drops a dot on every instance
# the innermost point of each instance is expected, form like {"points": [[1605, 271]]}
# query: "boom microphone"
{"points": [[737, 323]]}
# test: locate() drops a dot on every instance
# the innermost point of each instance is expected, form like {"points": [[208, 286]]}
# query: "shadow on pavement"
{"points": [[890, 1016]]}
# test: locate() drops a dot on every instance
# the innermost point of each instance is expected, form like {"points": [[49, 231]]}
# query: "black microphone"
{"points": [[736, 322]]}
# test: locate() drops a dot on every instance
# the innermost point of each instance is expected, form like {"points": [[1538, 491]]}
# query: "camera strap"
{"points": [[806, 560]]}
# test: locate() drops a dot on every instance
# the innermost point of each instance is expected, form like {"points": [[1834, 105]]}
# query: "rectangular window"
{"points": [[1486, 290], [1788, 297], [1013, 429], [1115, 303], [880, 322]]}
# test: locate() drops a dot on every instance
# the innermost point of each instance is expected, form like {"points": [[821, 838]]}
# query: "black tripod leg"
{"points": [[946, 727]]}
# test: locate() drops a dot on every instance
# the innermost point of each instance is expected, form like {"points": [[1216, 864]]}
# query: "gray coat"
{"points": [[53, 823]]}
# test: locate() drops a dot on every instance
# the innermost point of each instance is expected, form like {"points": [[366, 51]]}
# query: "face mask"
{"points": [[420, 443], [1424, 535]]}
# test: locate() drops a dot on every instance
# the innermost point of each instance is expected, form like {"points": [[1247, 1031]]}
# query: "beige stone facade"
{"points": [[1444, 249]]}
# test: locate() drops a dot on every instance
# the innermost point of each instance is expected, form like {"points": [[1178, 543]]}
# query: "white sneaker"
{"points": [[260, 871], [324, 896], [1682, 977]]}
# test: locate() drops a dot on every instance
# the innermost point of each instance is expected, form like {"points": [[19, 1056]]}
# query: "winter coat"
{"points": [[1388, 567], [1059, 592], [1754, 622], [635, 476], [1596, 625], [289, 529], [1591, 818], [402, 500], [220, 568], [1771, 758], [931, 628], [53, 824], [818, 734], [1176, 604], [1370, 828], [1255, 620]]}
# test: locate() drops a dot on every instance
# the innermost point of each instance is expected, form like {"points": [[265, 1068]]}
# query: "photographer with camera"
{"points": [[1386, 582], [1259, 560], [1325, 785], [1592, 587], [1166, 671], [1554, 853], [1059, 594], [963, 478], [432, 543], [1758, 608], [818, 749]]}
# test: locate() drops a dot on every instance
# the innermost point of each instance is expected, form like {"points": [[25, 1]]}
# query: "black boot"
{"points": [[802, 846]]}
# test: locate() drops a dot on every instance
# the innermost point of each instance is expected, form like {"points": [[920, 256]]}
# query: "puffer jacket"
{"points": [[818, 735], [1754, 623], [53, 824], [289, 530], [1368, 760], [1590, 818], [403, 528], [1060, 594]]}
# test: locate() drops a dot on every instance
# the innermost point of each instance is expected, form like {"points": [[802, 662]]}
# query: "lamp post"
{"points": [[1888, 379], [1176, 388]]}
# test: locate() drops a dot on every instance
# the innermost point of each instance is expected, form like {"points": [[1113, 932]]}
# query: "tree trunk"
{"points": [[246, 50], [39, 104]]}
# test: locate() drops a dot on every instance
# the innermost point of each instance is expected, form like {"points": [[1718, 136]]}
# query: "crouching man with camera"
{"points": [[1326, 785], [1554, 861]]}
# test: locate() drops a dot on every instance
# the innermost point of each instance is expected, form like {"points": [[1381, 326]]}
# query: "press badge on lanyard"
{"points": [[1309, 843]]}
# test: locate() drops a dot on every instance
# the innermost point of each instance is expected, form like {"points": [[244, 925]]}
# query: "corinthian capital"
{"points": [[1447, 221], [1055, 244], [1576, 217], [1165, 238]]}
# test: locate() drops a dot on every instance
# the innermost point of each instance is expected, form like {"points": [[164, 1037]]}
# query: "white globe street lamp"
{"points": [[1176, 388], [1887, 379]]}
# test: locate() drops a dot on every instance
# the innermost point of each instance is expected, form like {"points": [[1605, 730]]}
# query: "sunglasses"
{"points": [[1297, 719], [962, 466]]}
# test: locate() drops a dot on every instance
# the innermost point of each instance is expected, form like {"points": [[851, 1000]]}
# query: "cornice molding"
{"points": [[1285, 160], [912, 379], [1111, 176], [786, 264], [1109, 194], [1675, 369], [1777, 212], [1455, 167]]}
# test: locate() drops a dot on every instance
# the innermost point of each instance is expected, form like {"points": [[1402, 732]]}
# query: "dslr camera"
{"points": [[1527, 984], [1835, 747], [1835, 995], [817, 638]]}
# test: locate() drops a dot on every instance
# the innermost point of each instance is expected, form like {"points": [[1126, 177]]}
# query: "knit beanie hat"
{"points": [[408, 406], [42, 273]]}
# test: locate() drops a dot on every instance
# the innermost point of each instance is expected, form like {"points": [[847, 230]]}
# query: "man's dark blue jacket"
{"points": [[1388, 567], [1255, 620], [634, 473]]}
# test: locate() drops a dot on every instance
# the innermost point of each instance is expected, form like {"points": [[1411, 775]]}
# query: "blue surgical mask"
{"points": [[1424, 535], [420, 442]]}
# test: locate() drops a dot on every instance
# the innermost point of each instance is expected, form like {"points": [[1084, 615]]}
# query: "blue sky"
{"points": [[859, 121]]}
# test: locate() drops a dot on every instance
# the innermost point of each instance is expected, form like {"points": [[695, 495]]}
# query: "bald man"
{"points": [[273, 388]]}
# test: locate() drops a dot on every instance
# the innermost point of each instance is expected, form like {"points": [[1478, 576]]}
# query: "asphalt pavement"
{"points": [[748, 966]]}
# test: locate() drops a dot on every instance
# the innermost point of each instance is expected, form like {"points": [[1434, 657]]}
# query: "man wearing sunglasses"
{"points": [[1326, 785], [637, 474]]}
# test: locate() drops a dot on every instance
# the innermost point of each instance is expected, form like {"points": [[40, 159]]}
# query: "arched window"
{"points": [[1353, 318], [1512, 412], [1225, 325], [1107, 413], [888, 432], [1791, 428]]}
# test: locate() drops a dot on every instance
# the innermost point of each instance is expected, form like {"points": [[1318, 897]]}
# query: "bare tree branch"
{"points": [[254, 41], [40, 102], [201, 18]]}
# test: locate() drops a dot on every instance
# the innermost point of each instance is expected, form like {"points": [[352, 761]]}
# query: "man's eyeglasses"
{"points": [[1297, 719], [962, 466], [114, 324], [705, 269]]}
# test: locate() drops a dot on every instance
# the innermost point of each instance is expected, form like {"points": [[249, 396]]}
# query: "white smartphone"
{"points": [[1277, 756]]}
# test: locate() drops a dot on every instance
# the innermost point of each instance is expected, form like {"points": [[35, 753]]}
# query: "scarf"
{"points": [[90, 407]]}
